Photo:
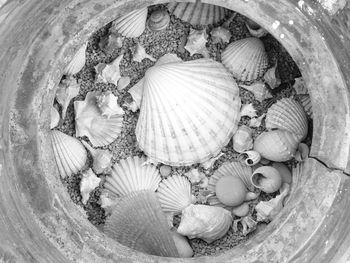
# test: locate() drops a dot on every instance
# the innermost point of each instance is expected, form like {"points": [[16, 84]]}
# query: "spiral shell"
{"points": [[77, 63], [246, 59], [250, 158], [267, 178], [132, 24], [159, 20], [243, 139]]}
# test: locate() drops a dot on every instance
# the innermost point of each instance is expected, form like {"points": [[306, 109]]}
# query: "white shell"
{"points": [[256, 121], [196, 42], [108, 104], [259, 90], [55, 117], [248, 225], [267, 178], [220, 35], [242, 210], [132, 24], [303, 152], [66, 91], [174, 193], [255, 30], [205, 222], [246, 59], [305, 101], [250, 158], [209, 164], [123, 82], [271, 77], [195, 176], [88, 183], [198, 13], [109, 73], [130, 175], [243, 139], [70, 154], [108, 200], [183, 247], [89, 122], [102, 159], [248, 110], [77, 63], [189, 111], [140, 54], [299, 86]]}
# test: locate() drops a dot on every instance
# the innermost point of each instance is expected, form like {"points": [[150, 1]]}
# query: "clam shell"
{"points": [[88, 183], [139, 223], [132, 24], [246, 59], [205, 222], [243, 140], [277, 145], [174, 193], [158, 20], [267, 178], [70, 154], [66, 91], [287, 114], [198, 13], [230, 190], [89, 122], [132, 174], [77, 63], [189, 111]]}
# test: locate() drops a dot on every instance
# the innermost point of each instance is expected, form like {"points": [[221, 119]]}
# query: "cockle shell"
{"points": [[243, 139], [102, 159], [271, 77], [248, 225], [109, 73], [198, 13], [55, 117], [250, 158], [189, 111], [132, 24], [196, 42], [220, 35], [287, 114], [158, 20], [246, 59], [132, 174], [267, 178], [70, 154], [174, 193], [277, 145], [205, 222], [258, 89], [89, 122], [248, 110], [140, 54], [305, 101], [66, 91], [108, 104], [254, 29], [88, 183], [182, 245], [138, 222], [77, 62]]}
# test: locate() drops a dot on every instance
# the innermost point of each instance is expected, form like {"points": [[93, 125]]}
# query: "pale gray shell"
{"points": [[220, 35], [77, 62], [305, 101], [158, 20], [243, 139], [250, 158], [267, 178], [66, 91], [88, 183], [102, 159], [132, 24], [258, 89], [55, 117]]}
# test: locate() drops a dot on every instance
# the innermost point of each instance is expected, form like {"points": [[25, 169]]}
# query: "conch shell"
{"points": [[77, 63], [196, 42], [109, 73], [66, 91], [259, 90], [88, 183], [271, 77], [108, 104], [140, 54], [250, 158], [158, 20], [102, 159], [220, 35], [243, 140], [267, 178]]}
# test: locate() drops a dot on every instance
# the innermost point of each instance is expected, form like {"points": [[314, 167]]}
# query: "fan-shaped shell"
{"points": [[55, 117], [198, 13], [89, 121], [132, 24], [158, 20], [287, 114], [174, 193], [132, 174], [243, 139], [139, 223], [277, 145], [246, 59], [70, 154], [189, 111], [77, 63], [306, 103]]}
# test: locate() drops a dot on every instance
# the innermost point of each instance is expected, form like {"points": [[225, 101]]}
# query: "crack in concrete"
{"points": [[328, 167]]}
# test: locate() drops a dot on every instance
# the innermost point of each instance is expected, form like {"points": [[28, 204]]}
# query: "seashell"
{"points": [[123, 82], [246, 59], [250, 158], [158, 20], [287, 114], [241, 210], [300, 86], [131, 175], [138, 222], [189, 111], [305, 101], [108, 104], [195, 176], [272, 78], [209, 164], [256, 121], [277, 145], [196, 42], [183, 247], [77, 63], [248, 110], [108, 200], [251, 196], [88, 183], [205, 222], [302, 153], [259, 90], [70, 154], [140, 54], [243, 140], [267, 178], [255, 29], [109, 73], [284, 172], [55, 117], [110, 42], [220, 35], [66, 91], [132, 24], [230, 190], [248, 225], [102, 159], [165, 170], [198, 13], [174, 193], [89, 122]]}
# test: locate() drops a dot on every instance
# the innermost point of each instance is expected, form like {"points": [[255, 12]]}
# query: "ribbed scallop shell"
{"points": [[189, 111], [70, 154], [174, 193], [139, 223], [306, 103], [246, 59], [77, 62], [243, 139], [198, 13], [132, 24], [132, 174], [287, 114], [55, 117], [89, 121]]}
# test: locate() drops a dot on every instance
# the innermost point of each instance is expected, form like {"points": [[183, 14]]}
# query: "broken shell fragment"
{"points": [[195, 176], [241, 210], [299, 86], [77, 62], [132, 24], [140, 54], [158, 20], [248, 110], [230, 190], [302, 153], [196, 42], [250, 158], [123, 82], [108, 104], [271, 77], [259, 90], [66, 91], [220, 35], [256, 121], [255, 29], [209, 164], [55, 117], [88, 183], [110, 42], [248, 225], [109, 73], [183, 247], [102, 159], [243, 139], [267, 178]]}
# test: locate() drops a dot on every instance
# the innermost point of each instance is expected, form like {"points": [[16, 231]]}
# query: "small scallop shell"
{"points": [[66, 91], [158, 20], [196, 42], [108, 104], [250, 158], [271, 77], [69, 153], [90, 122], [139, 223], [243, 140], [267, 178], [277, 145], [102, 159], [130, 175], [109, 73], [55, 117], [287, 114], [77, 63], [259, 90], [174, 193], [220, 35], [198, 13], [132, 24], [246, 59], [88, 183]]}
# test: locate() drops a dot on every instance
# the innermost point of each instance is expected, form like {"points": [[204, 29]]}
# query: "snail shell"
{"points": [[159, 20], [284, 172], [267, 178], [132, 24], [250, 158]]}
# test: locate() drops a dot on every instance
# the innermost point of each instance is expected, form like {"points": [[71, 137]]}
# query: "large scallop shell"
{"points": [[132, 174], [246, 59], [174, 193], [89, 121], [198, 13], [139, 223], [189, 111], [77, 63], [287, 114], [132, 24], [70, 154]]}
